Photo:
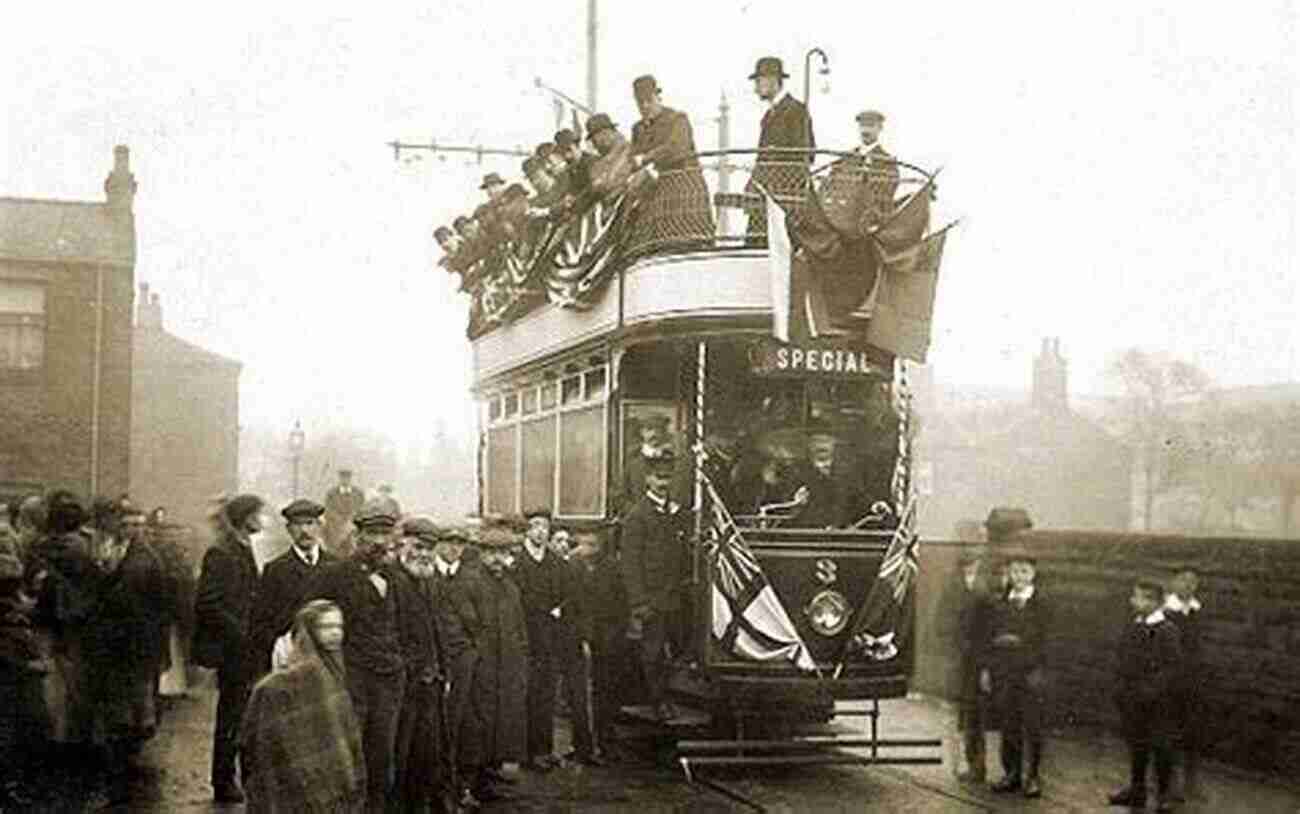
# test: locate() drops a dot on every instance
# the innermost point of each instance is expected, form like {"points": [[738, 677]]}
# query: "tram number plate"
{"points": [[812, 360]]}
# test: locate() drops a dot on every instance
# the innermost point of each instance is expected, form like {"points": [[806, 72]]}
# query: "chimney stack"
{"points": [[120, 186], [1051, 376]]}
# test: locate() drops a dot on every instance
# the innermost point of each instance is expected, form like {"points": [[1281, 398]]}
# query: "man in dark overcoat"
{"points": [[362, 587], [342, 502], [651, 562], [222, 614], [501, 680], [1147, 660], [785, 125], [603, 609], [678, 211], [1015, 675], [545, 590], [968, 609], [1183, 608], [286, 580]]}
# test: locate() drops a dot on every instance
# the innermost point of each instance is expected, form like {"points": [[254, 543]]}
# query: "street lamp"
{"points": [[825, 71], [297, 440]]}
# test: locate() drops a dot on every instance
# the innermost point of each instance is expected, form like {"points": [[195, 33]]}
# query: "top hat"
{"points": [[491, 179], [769, 66], [645, 86], [597, 123]]}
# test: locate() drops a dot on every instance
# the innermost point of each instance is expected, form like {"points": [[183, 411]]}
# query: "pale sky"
{"points": [[1125, 172]]}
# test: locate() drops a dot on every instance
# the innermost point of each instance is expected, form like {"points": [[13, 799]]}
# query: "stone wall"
{"points": [[1251, 592]]}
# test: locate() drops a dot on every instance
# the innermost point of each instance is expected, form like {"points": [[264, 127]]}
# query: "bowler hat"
{"points": [[514, 191], [441, 233], [645, 86], [565, 138], [769, 66], [597, 123], [491, 179], [302, 509], [871, 116]]}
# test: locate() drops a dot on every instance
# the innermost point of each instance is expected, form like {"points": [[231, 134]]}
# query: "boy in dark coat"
{"points": [[1183, 609], [968, 612], [501, 680], [544, 588], [1016, 635], [1147, 662]]}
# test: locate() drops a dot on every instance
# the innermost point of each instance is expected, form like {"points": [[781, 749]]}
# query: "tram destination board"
{"points": [[831, 359]]}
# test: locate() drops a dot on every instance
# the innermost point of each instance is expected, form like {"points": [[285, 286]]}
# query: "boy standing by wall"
{"points": [[972, 616], [1146, 665], [1015, 676], [1183, 609]]}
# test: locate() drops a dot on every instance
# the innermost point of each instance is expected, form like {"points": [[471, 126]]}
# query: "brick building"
{"points": [[67, 279], [184, 419]]}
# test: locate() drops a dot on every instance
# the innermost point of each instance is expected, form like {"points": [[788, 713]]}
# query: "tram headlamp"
{"points": [[828, 612]]}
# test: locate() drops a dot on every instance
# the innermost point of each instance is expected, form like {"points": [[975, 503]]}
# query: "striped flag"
{"points": [[878, 631], [748, 618]]}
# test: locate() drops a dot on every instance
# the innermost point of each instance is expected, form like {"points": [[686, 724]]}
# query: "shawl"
{"points": [[301, 740]]}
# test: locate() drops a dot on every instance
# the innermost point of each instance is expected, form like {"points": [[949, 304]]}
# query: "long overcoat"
{"points": [[502, 676]]}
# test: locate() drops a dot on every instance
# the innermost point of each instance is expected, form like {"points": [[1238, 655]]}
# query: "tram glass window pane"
{"points": [[548, 395], [494, 409], [596, 381], [529, 401], [501, 470], [582, 452], [512, 405], [572, 390], [539, 462]]}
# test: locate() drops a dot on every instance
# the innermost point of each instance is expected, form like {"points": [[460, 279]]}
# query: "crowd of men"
{"points": [[455, 641], [659, 162], [1002, 630]]}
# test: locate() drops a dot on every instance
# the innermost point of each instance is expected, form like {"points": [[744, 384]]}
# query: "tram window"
{"points": [[494, 409], [596, 380], [529, 401], [571, 390], [501, 470], [512, 405], [538, 478], [548, 395], [582, 452]]}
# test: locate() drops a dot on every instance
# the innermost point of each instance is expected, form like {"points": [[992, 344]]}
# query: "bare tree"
{"points": [[1157, 390]]}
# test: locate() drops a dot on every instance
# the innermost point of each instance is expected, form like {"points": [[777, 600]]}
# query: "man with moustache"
{"points": [[786, 125], [362, 587], [286, 580]]}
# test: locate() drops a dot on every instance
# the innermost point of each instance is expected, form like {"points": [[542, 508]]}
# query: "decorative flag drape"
{"points": [[882, 621], [748, 618]]}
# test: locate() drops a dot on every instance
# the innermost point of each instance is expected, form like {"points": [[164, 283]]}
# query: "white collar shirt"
{"points": [[447, 569], [537, 552], [778, 99], [309, 557], [1021, 596], [1184, 606], [1155, 617]]}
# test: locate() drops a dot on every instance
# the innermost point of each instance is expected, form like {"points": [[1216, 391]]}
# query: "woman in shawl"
{"points": [[300, 740]]}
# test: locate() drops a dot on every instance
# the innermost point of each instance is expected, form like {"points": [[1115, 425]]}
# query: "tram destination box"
{"points": [[831, 359]]}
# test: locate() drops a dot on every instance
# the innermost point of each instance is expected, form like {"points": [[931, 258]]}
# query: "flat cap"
{"points": [[490, 180], [871, 116], [516, 191], [769, 66], [422, 527], [375, 513], [645, 86], [597, 123], [302, 509]]}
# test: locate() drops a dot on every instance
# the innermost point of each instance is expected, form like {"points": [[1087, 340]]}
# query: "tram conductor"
{"points": [[652, 558]]}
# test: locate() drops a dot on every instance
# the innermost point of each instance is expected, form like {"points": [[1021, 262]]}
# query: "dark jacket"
{"points": [[785, 125], [1146, 661], [417, 626], [458, 602], [281, 591], [224, 603], [544, 586], [372, 642], [666, 141], [1029, 623], [834, 500], [652, 556], [501, 680]]}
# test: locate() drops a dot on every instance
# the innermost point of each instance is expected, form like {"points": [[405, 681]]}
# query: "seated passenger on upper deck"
{"points": [[679, 209]]}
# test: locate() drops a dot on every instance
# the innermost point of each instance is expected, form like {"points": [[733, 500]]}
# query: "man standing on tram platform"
{"points": [[651, 563], [678, 210], [786, 125]]}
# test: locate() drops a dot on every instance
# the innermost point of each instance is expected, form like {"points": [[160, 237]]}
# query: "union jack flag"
{"points": [[748, 618], [878, 630]]}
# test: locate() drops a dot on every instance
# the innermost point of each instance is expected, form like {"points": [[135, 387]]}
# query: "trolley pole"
{"points": [[592, 42], [724, 165]]}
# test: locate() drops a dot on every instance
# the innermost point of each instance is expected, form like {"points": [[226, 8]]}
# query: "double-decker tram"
{"points": [[760, 340]]}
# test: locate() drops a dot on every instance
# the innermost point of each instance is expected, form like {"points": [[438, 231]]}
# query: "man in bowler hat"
{"points": [[786, 125], [679, 210]]}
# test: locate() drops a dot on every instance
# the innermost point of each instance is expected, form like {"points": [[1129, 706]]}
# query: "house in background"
{"points": [[1035, 453], [67, 281], [184, 419]]}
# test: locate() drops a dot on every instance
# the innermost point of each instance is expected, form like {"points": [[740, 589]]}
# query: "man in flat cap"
{"points": [[652, 568], [879, 164], [342, 502], [786, 125], [361, 586], [286, 580], [1016, 647], [223, 614], [501, 679], [678, 211]]}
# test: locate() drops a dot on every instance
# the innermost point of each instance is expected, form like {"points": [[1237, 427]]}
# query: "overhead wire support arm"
{"points": [[434, 147]]}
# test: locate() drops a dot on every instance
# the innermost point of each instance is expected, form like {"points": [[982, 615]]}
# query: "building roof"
{"points": [[156, 346], [65, 231]]}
